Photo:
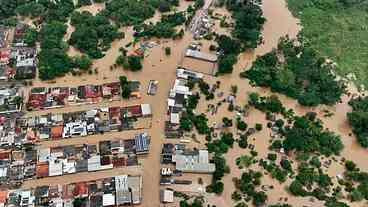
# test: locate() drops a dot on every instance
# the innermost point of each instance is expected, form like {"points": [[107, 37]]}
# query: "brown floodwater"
{"points": [[158, 66]]}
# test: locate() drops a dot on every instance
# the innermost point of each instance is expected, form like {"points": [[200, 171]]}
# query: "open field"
{"points": [[337, 31]]}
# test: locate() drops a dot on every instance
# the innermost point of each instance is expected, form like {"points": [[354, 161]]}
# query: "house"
{"points": [[77, 128], [27, 199], [94, 163], [4, 195], [4, 56], [25, 62], [4, 32], [167, 195], [146, 110], [108, 199], [142, 142]]}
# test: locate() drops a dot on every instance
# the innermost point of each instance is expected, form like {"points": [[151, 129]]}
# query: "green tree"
{"points": [[135, 63]]}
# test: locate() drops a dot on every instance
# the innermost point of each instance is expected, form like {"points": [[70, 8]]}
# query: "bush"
{"points": [[258, 127], [167, 51], [272, 156]]}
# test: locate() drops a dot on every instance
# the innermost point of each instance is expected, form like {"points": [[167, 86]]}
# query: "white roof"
{"points": [[174, 118], [94, 163], [43, 154], [146, 109], [69, 166], [167, 196], [108, 200], [170, 102], [3, 172], [55, 168]]}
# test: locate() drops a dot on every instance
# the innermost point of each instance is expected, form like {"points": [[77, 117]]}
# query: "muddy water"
{"points": [[159, 67]]}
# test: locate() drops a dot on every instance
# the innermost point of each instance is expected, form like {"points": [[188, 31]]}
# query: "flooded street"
{"points": [[160, 67]]}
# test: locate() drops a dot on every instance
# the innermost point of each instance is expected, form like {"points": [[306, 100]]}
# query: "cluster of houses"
{"points": [[175, 102], [11, 99], [17, 59], [31, 162], [56, 97], [177, 159], [15, 132], [112, 191]]}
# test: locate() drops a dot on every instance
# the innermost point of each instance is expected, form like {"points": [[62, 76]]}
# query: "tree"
{"points": [[83, 62], [134, 63], [258, 126], [241, 125], [217, 187], [356, 195], [167, 51], [350, 165], [30, 36], [296, 188], [125, 89], [225, 63], [259, 198]]}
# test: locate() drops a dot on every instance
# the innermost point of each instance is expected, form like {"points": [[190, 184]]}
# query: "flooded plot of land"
{"points": [[200, 66]]}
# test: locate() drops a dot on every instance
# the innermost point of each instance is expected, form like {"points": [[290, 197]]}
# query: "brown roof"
{"points": [[42, 169], [56, 132]]}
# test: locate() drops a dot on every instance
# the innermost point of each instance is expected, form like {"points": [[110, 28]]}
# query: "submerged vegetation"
{"points": [[245, 34], [92, 33], [299, 73], [358, 119], [166, 28], [53, 60]]}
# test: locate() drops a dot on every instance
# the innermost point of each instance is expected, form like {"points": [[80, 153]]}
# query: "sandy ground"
{"points": [[157, 66]]}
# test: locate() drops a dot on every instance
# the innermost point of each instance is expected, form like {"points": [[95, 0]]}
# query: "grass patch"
{"points": [[337, 30]]}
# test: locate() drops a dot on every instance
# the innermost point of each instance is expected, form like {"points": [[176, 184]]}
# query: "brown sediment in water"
{"points": [[158, 66]]}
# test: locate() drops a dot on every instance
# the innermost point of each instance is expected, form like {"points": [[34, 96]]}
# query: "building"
{"points": [[167, 195], [200, 55], [142, 143], [195, 161]]}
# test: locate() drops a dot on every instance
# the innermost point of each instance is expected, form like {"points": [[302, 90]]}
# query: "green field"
{"points": [[337, 29]]}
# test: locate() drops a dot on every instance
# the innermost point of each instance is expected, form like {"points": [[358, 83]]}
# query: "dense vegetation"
{"points": [[92, 33], [358, 119], [166, 28], [245, 35], [355, 182], [246, 188], [311, 182], [302, 74], [337, 29], [130, 12], [53, 60], [47, 10], [308, 135], [248, 32]]}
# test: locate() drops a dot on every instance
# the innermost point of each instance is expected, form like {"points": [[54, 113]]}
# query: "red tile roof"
{"points": [[80, 189], [56, 132], [3, 196]]}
